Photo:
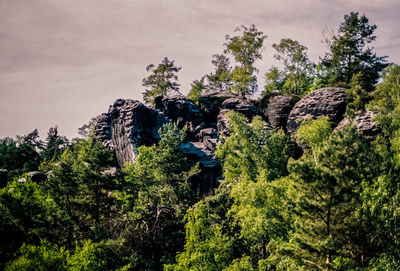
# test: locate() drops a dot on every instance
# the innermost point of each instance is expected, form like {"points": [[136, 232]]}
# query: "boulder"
{"points": [[37, 176], [329, 102], [364, 124], [278, 110], [183, 111], [133, 125]]}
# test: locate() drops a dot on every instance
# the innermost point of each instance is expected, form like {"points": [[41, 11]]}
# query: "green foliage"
{"points": [[198, 87], [330, 230], [252, 150], [55, 144], [79, 187], [44, 257], [162, 81], [356, 95], [349, 53], [314, 133], [220, 79], [297, 75], [387, 96], [26, 215], [156, 196], [18, 157], [207, 246], [47, 256], [246, 49]]}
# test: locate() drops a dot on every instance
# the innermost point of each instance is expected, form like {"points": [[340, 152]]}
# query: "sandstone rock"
{"points": [[183, 111], [211, 102], [222, 123], [237, 105], [102, 130], [364, 124], [37, 176], [133, 125], [209, 138], [240, 106], [210, 167], [329, 102], [278, 110]]}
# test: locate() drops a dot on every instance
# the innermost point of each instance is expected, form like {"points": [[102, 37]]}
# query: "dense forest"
{"points": [[325, 198]]}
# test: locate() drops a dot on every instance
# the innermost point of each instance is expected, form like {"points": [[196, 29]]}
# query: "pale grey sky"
{"points": [[65, 61]]}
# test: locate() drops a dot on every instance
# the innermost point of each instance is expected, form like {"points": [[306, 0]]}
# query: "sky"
{"points": [[63, 62]]}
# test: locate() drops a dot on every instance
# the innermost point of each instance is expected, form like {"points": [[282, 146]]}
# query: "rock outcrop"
{"points": [[206, 180], [209, 137], [211, 102], [183, 111], [278, 110], [329, 102], [132, 125]]}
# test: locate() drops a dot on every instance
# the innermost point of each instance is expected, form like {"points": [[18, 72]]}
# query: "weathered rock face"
{"points": [[209, 138], [211, 102], [240, 106], [183, 111], [102, 130], [278, 110], [237, 105], [222, 123], [329, 102], [209, 165], [133, 125], [364, 124]]}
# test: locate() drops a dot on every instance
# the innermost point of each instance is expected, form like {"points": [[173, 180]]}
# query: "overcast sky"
{"points": [[65, 61]]}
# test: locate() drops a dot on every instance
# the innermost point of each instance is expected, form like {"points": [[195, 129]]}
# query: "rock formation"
{"points": [[130, 124], [278, 110], [329, 102], [183, 111]]}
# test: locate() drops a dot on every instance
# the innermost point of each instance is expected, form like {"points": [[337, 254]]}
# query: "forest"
{"points": [[327, 198]]}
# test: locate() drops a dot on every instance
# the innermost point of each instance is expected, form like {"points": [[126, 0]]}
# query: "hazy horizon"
{"points": [[64, 62]]}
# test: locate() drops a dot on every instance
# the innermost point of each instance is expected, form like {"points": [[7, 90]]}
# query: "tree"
{"points": [[331, 230], [163, 80], [19, 156], [198, 87], [55, 144], [246, 49], [156, 195], [349, 53], [221, 78], [27, 214], [297, 74], [81, 188]]}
